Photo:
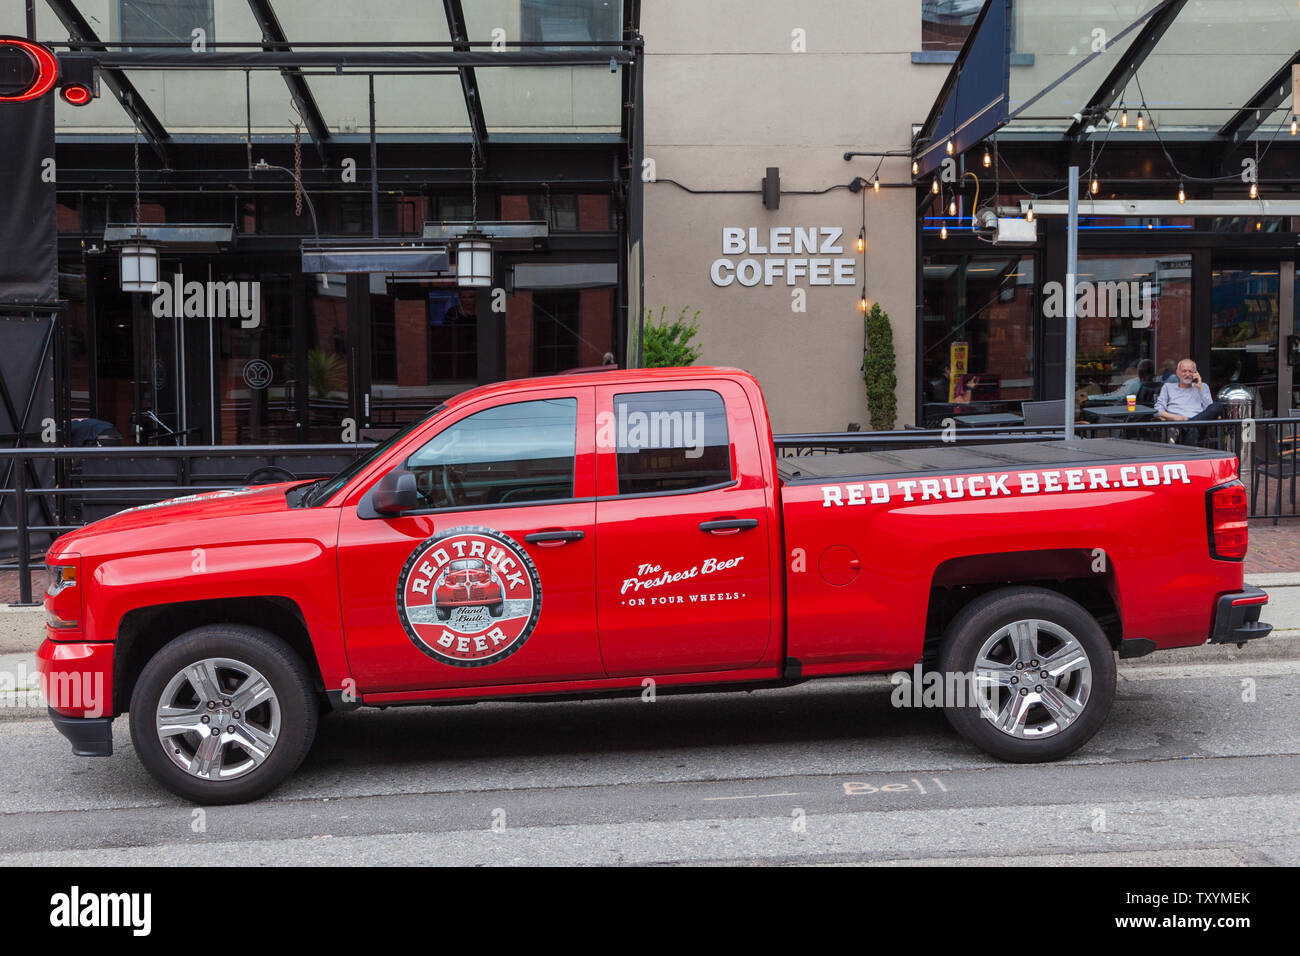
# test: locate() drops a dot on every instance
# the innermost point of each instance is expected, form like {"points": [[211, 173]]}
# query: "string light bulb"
{"points": [[1295, 125], [943, 232], [1182, 193], [950, 147], [934, 186], [1123, 117], [875, 184], [862, 239], [1094, 186], [952, 206], [1029, 216], [862, 302], [916, 167], [1142, 124], [988, 159], [1254, 191]]}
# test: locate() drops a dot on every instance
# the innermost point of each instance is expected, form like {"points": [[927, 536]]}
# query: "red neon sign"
{"points": [[43, 61]]}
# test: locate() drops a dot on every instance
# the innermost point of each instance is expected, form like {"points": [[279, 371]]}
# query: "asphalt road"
{"points": [[1185, 771]]}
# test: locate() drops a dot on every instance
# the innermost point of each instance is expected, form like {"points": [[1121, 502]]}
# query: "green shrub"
{"points": [[879, 370], [667, 344]]}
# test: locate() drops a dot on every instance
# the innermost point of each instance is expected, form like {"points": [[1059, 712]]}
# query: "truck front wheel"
{"points": [[1029, 674], [223, 714]]}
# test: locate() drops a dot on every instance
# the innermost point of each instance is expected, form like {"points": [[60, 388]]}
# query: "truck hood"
{"points": [[208, 505]]}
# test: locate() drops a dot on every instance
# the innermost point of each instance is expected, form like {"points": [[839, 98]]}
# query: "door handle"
{"points": [[728, 525], [554, 537]]}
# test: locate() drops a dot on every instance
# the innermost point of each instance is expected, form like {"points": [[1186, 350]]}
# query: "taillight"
{"points": [[1226, 513]]}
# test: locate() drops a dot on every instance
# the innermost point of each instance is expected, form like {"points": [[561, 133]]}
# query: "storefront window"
{"points": [[1244, 332], [977, 334], [255, 369], [326, 356], [1134, 320]]}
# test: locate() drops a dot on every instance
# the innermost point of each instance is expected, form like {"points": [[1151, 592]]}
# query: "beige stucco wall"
{"points": [[726, 96]]}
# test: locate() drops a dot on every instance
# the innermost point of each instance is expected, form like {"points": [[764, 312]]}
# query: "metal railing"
{"points": [[72, 491], [81, 480]]}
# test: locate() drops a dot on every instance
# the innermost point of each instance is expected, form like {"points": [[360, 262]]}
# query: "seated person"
{"points": [[1143, 373], [1189, 399]]}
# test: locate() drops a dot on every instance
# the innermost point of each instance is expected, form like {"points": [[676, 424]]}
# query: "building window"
{"points": [[453, 335], [556, 321], [1134, 324], [671, 441], [977, 335], [569, 21], [156, 21], [945, 23]]}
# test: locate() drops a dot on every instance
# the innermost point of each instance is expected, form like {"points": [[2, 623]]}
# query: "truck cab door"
{"points": [[683, 538], [488, 579]]}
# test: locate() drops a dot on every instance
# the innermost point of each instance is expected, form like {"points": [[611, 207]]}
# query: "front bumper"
{"points": [[89, 736], [76, 678], [1236, 617]]}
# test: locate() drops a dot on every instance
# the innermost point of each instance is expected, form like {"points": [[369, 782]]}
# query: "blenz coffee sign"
{"points": [[783, 255]]}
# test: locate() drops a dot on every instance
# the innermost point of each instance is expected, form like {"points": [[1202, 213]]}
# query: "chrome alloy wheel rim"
{"points": [[1032, 679], [218, 719]]}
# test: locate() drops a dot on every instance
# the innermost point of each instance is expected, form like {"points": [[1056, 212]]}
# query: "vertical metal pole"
{"points": [[31, 20], [1071, 271], [20, 526], [374, 166]]}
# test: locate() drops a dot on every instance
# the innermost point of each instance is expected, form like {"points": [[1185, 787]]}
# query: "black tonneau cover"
{"points": [[957, 458]]}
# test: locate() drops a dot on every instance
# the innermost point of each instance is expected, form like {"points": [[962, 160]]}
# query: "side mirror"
{"points": [[395, 493]]}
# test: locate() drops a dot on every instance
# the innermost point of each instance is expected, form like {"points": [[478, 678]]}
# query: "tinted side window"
{"points": [[671, 441], [504, 455]]}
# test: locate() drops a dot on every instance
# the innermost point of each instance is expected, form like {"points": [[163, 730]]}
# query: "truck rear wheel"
{"points": [[223, 714], [1038, 674]]}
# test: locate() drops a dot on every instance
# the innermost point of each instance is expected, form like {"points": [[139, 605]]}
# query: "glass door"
{"points": [[1244, 326]]}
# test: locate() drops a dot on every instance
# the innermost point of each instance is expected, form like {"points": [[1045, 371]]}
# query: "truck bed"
{"points": [[960, 458]]}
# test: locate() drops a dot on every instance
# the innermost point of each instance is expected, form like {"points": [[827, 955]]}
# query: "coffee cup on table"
{"points": [[1132, 403]]}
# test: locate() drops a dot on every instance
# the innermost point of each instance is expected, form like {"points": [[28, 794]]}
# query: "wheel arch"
{"points": [[1086, 577], [146, 630]]}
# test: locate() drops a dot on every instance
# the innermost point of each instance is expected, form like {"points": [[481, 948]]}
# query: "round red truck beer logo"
{"points": [[469, 596]]}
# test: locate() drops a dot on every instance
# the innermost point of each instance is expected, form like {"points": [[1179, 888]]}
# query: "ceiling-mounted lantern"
{"points": [[27, 70], [139, 268], [473, 262]]}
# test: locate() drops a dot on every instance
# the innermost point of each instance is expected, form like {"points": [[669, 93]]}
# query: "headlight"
{"points": [[61, 576]]}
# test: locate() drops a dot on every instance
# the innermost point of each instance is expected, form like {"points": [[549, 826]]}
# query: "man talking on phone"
{"points": [[1188, 399]]}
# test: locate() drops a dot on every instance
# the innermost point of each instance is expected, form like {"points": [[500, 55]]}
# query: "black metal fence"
{"points": [[89, 483]]}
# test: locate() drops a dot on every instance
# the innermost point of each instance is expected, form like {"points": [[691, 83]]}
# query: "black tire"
{"points": [[496, 610], [979, 622], [281, 667], [444, 614]]}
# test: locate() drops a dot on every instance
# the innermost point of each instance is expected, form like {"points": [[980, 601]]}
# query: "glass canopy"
{"points": [[1196, 68], [558, 99]]}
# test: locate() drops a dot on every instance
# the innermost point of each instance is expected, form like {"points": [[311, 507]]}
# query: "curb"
{"points": [[21, 629]]}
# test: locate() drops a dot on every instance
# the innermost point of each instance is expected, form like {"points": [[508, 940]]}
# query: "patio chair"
{"points": [[1043, 413], [1275, 455]]}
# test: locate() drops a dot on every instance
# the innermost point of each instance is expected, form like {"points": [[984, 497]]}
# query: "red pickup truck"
{"points": [[594, 533]]}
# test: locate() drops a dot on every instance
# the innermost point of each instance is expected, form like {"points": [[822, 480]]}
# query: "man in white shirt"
{"points": [[1188, 399]]}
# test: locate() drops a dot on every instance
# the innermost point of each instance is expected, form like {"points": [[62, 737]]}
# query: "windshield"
{"points": [[322, 492]]}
